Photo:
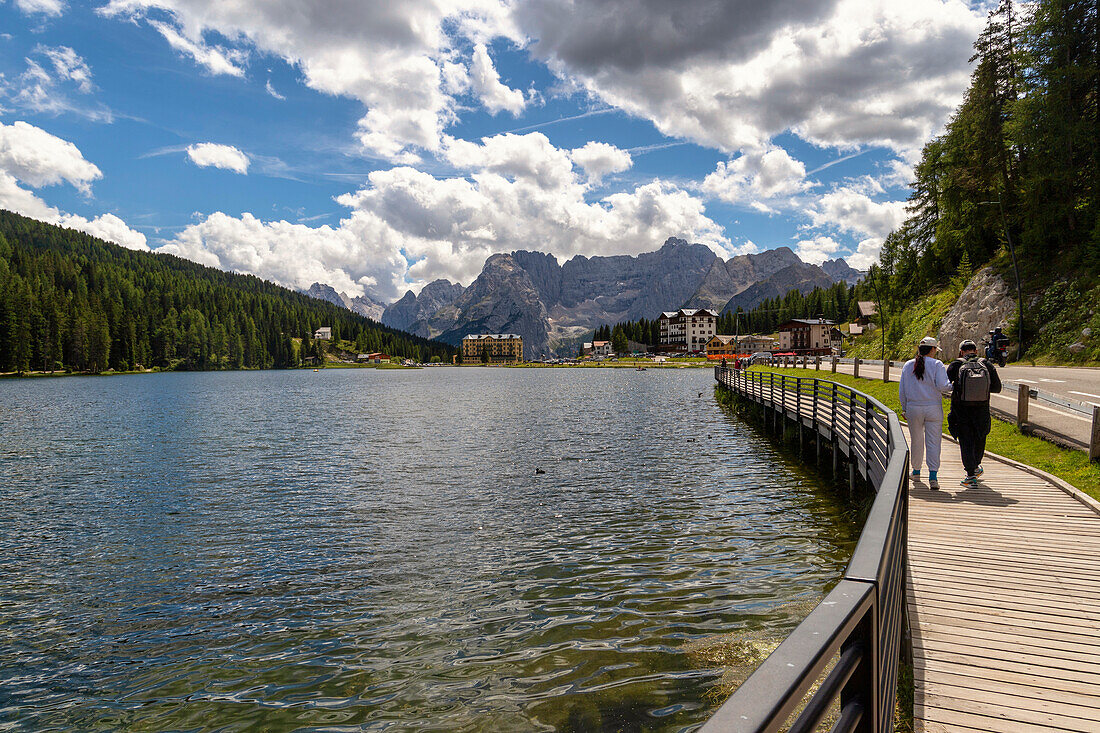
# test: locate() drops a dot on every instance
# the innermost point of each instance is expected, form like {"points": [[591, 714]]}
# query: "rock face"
{"points": [[799, 276], [840, 271], [503, 299], [727, 279], [412, 309], [360, 304], [985, 303]]}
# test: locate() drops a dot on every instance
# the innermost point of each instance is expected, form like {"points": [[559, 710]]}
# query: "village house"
{"points": [[493, 348], [808, 336], [723, 345], [687, 330], [601, 348], [324, 333], [865, 310], [375, 357]]}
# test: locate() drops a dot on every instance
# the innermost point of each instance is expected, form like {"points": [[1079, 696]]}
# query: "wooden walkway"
{"points": [[1004, 603]]}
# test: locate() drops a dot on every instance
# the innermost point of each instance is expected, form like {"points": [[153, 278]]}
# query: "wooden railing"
{"points": [[859, 624]]}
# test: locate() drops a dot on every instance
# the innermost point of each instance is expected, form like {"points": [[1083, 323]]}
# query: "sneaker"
{"points": [[969, 481], [916, 473], [933, 483], [978, 471]]}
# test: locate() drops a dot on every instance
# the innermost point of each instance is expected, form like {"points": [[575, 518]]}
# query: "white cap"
{"points": [[929, 341]]}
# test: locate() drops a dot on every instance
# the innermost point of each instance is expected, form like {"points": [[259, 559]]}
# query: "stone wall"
{"points": [[986, 302]]}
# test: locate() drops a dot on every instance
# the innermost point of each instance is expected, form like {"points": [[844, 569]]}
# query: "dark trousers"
{"points": [[970, 424]]}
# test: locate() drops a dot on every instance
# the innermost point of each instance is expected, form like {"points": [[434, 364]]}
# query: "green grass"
{"points": [[922, 318], [1072, 466]]}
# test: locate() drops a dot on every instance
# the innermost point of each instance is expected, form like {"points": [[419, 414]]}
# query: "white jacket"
{"points": [[927, 391]]}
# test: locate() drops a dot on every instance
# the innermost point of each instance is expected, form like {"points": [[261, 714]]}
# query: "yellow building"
{"points": [[493, 348]]}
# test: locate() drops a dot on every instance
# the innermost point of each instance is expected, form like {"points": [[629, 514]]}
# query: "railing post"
{"points": [[1023, 393], [1094, 442], [862, 688], [855, 367]]}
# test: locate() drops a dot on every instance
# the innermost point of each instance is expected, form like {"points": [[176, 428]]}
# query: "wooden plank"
{"points": [[1011, 714]]}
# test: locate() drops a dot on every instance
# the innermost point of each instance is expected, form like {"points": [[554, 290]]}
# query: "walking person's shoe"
{"points": [[970, 482], [932, 482], [978, 471], [916, 473]]}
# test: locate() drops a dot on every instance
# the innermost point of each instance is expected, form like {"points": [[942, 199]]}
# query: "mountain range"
{"points": [[364, 306], [552, 305]]}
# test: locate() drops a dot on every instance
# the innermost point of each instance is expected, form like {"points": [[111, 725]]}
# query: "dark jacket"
{"points": [[953, 375]]}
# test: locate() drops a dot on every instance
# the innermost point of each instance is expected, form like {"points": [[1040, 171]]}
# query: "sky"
{"points": [[376, 145]]}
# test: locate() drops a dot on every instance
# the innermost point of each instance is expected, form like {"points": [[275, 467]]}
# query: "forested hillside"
{"points": [[1019, 160], [71, 301]]}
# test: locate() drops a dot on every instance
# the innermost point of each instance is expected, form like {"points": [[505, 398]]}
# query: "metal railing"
{"points": [[1025, 395], [860, 622]]}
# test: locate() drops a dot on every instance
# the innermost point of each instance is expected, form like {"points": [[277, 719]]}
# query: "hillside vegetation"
{"points": [[71, 301]]}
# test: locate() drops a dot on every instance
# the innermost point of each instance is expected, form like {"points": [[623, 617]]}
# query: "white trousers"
{"points": [[925, 432]]}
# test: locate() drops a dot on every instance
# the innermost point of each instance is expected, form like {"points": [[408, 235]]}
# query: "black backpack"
{"points": [[973, 382]]}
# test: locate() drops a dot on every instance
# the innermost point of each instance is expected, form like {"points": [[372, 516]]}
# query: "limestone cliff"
{"points": [[986, 302]]}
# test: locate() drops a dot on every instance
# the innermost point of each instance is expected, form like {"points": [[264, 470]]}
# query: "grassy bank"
{"points": [[1072, 466]]}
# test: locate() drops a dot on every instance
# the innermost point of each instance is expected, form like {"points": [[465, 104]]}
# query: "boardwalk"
{"points": [[1002, 580], [1004, 603]]}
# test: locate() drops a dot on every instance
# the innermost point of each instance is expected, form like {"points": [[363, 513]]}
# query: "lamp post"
{"points": [[1015, 271]]}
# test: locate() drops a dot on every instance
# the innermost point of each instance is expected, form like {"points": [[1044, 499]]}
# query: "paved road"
{"points": [[1072, 383]]}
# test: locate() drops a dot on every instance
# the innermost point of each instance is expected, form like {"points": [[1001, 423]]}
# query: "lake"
{"points": [[443, 549]]}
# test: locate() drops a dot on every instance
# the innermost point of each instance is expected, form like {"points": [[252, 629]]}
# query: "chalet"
{"points": [[375, 357], [324, 333], [687, 330], [721, 345], [809, 336], [865, 310], [601, 348]]}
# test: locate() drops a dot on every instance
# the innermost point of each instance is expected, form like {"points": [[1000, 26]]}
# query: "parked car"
{"points": [[761, 357]]}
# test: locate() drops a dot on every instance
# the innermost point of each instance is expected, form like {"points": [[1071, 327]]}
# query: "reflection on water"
{"points": [[354, 549]]}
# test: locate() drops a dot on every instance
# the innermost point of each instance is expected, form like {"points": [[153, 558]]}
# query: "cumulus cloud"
{"points": [[757, 177], [408, 227], [494, 94], [816, 250], [850, 209], [214, 155], [38, 158], [31, 155], [600, 159], [389, 56], [734, 74]]}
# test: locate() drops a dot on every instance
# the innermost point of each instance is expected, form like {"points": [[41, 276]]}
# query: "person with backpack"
{"points": [[973, 380], [921, 388]]}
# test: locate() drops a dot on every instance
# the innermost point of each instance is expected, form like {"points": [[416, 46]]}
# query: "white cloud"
{"points": [[44, 7], [33, 156], [216, 59], [271, 90], [520, 193], [733, 74], [389, 56], [600, 159], [850, 209], [816, 250], [757, 177], [495, 95], [53, 75], [38, 158], [214, 155], [68, 65], [529, 157]]}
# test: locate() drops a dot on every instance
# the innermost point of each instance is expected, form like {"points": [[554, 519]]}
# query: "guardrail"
{"points": [[1024, 394], [859, 623]]}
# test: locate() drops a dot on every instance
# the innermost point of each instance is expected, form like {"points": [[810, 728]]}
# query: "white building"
{"points": [[687, 329], [324, 333], [601, 348]]}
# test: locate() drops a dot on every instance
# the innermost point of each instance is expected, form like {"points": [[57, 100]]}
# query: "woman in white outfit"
{"points": [[923, 384]]}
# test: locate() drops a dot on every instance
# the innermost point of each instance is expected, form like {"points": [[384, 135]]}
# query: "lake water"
{"points": [[362, 549]]}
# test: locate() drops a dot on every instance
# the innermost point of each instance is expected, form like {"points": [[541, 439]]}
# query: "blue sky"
{"points": [[377, 148]]}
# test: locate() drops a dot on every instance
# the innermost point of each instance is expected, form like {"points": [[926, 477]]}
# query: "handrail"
{"points": [[1081, 408], [861, 619]]}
